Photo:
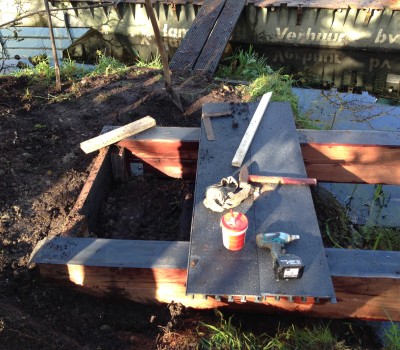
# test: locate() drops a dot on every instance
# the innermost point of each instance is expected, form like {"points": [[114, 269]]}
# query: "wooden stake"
{"points": [[117, 134], [53, 47], [164, 57], [251, 130]]}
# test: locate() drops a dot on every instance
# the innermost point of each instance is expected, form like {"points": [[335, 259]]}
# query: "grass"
{"points": [[391, 337], [249, 66], [380, 238], [107, 65], [154, 63], [70, 71], [244, 65], [228, 336]]}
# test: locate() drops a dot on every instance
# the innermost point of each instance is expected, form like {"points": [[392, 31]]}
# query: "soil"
{"points": [[42, 171], [159, 215]]}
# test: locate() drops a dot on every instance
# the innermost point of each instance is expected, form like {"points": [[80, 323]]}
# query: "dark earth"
{"points": [[42, 170]]}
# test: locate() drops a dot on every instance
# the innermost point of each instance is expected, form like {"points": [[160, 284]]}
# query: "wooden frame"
{"points": [[366, 282]]}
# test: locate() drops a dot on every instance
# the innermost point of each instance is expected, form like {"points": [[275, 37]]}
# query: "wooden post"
{"points": [[53, 47]]}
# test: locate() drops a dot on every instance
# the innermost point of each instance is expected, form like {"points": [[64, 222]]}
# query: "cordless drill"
{"points": [[286, 266]]}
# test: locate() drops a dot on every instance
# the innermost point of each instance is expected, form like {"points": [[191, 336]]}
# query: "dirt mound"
{"points": [[42, 170]]}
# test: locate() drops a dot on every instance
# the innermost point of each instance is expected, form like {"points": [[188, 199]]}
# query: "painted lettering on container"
{"points": [[331, 37], [383, 37], [177, 33], [309, 35], [282, 56]]}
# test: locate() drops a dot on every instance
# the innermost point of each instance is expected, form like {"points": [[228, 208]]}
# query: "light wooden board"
{"points": [[116, 135], [251, 130]]}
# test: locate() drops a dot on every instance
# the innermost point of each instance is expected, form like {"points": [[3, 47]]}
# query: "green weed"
{"points": [[39, 126], [316, 338], [244, 65], [380, 238], [154, 63], [41, 71], [249, 66], [71, 71], [391, 336], [280, 85], [108, 66], [227, 336]]}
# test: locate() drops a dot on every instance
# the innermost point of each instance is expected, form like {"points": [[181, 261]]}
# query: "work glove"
{"points": [[222, 195]]}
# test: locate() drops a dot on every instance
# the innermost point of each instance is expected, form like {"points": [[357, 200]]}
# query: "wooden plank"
{"points": [[251, 130], [166, 133], [116, 135], [365, 289], [118, 164], [185, 150], [213, 110], [323, 152], [355, 173], [349, 137], [193, 42], [350, 154], [82, 218], [215, 45], [208, 128]]}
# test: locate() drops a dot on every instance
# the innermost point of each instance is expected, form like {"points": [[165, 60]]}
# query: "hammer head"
{"points": [[243, 176]]}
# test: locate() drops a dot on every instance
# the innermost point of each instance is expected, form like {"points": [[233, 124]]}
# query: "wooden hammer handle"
{"points": [[282, 180]]}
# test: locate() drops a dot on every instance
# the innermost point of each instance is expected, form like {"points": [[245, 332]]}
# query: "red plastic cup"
{"points": [[234, 226]]}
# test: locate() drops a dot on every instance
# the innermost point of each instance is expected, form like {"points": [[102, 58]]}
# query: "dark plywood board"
{"points": [[216, 43], [239, 275], [275, 150], [194, 40]]}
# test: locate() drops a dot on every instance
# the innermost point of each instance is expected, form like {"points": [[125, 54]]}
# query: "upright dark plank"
{"points": [[193, 42], [216, 43], [275, 150]]}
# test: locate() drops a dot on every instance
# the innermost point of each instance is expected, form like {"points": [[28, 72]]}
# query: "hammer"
{"points": [[245, 178]]}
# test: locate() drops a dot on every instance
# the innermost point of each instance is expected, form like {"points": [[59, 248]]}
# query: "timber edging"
{"points": [[366, 282]]}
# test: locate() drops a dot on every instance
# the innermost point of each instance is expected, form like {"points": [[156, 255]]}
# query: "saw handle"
{"points": [[282, 180]]}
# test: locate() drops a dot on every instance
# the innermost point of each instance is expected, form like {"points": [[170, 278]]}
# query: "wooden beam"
{"points": [[173, 152], [331, 156], [118, 164], [366, 282], [354, 156], [82, 218], [117, 134]]}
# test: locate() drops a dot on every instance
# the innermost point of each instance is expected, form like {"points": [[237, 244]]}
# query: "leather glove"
{"points": [[222, 195]]}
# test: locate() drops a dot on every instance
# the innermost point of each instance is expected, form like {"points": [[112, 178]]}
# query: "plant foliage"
{"points": [[107, 65], [228, 336]]}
